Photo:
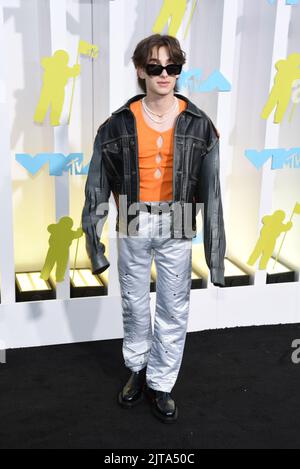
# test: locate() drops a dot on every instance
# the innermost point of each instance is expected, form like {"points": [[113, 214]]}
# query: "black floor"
{"points": [[237, 388]]}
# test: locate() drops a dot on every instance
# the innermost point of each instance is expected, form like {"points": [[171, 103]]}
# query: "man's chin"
{"points": [[163, 91]]}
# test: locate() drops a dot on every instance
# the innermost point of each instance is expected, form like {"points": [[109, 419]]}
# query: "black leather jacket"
{"points": [[114, 169]]}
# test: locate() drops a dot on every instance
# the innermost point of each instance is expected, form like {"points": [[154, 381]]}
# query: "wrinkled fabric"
{"points": [[196, 164], [159, 346]]}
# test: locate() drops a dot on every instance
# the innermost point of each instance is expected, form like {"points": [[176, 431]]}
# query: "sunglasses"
{"points": [[156, 69]]}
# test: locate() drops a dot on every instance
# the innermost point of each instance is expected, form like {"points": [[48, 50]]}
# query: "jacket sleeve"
{"points": [[95, 210], [209, 193]]}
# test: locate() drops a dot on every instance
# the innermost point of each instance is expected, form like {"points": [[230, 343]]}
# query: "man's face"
{"points": [[153, 85]]}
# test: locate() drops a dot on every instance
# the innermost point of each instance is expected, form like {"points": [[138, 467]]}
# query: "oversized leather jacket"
{"points": [[114, 169]]}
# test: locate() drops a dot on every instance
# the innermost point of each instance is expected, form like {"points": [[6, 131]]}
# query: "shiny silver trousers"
{"points": [[160, 346]]}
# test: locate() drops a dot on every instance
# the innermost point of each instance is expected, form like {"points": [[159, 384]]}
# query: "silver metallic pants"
{"points": [[160, 347]]}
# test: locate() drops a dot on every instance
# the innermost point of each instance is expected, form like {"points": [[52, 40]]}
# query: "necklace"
{"points": [[148, 111], [160, 115]]}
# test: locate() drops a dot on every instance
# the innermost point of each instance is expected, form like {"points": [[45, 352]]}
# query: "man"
{"points": [[159, 156]]}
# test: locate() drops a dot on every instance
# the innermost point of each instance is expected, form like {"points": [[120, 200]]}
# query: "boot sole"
{"points": [[127, 404]]}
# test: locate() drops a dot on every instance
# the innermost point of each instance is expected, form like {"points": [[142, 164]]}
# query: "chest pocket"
{"points": [[113, 161], [195, 161]]}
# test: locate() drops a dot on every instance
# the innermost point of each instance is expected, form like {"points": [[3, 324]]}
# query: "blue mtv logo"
{"points": [[281, 157], [58, 163], [287, 2], [192, 79]]}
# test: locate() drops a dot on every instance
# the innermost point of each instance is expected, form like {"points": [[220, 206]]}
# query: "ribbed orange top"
{"points": [[155, 157]]}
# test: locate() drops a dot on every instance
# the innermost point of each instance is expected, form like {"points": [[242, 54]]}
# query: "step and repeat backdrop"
{"points": [[65, 65]]}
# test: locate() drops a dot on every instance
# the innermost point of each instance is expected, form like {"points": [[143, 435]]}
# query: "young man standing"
{"points": [[159, 155]]}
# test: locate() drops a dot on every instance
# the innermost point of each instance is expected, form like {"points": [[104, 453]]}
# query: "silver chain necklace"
{"points": [[149, 112]]}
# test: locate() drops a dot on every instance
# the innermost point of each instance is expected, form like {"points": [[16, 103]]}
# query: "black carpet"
{"points": [[237, 388]]}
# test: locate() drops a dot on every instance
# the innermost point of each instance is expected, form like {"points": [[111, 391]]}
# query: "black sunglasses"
{"points": [[156, 69]]}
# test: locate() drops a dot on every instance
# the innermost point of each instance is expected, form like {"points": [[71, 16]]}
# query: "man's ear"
{"points": [[140, 73]]}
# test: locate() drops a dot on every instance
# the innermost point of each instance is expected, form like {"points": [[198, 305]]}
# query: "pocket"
{"points": [[113, 147], [191, 189], [112, 168], [113, 159], [197, 152]]}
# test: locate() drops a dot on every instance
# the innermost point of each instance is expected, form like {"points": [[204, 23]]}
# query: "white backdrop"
{"points": [[243, 39]]}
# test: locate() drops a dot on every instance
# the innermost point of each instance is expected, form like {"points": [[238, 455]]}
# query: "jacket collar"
{"points": [[191, 107]]}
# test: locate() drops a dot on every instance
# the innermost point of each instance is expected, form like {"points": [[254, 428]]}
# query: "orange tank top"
{"points": [[155, 157]]}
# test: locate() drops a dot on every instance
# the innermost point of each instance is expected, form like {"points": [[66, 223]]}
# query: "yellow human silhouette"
{"points": [[56, 75], [60, 240], [287, 72], [170, 8], [269, 233]]}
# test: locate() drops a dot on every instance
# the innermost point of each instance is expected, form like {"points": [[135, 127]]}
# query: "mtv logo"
{"points": [[287, 2], [192, 79], [58, 163], [281, 157]]}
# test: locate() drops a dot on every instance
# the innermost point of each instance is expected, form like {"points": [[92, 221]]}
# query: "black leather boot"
{"points": [[132, 392], [162, 405]]}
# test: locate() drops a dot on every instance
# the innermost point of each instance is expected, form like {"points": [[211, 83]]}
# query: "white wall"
{"points": [[240, 38]]}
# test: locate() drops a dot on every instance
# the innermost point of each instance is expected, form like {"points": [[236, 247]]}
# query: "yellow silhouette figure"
{"points": [[287, 72], [56, 75], [60, 240], [176, 10], [272, 229]]}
